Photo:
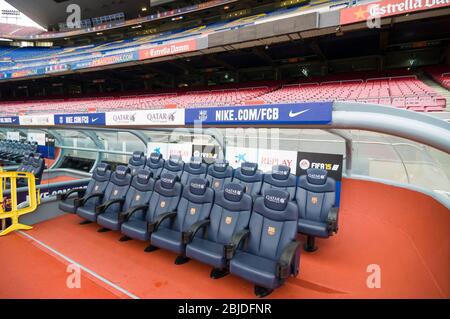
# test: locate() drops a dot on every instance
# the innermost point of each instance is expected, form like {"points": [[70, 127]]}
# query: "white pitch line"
{"points": [[71, 261]]}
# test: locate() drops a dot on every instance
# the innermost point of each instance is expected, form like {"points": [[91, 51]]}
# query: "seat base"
{"points": [[103, 230], [181, 260], [85, 222], [218, 273], [150, 248], [124, 238], [262, 292], [310, 245]]}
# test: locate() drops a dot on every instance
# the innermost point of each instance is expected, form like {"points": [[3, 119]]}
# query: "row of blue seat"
{"points": [[13, 152], [218, 173], [198, 222]]}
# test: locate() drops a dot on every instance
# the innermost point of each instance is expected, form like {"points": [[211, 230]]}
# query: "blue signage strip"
{"points": [[80, 119], [298, 113], [14, 120]]}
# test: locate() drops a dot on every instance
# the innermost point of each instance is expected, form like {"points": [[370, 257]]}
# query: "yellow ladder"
{"points": [[15, 212]]}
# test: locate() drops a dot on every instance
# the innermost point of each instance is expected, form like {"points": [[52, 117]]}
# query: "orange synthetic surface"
{"points": [[405, 233]]}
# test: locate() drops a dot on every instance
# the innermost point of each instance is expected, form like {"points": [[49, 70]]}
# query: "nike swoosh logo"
{"points": [[292, 114], [94, 120]]}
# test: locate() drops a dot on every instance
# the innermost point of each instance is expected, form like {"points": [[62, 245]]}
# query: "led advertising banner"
{"points": [[168, 49], [80, 119], [38, 120], [299, 113], [388, 8], [14, 120], [167, 149], [164, 117], [208, 153]]}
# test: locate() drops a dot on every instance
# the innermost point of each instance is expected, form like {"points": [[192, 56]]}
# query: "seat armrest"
{"points": [[85, 199], [102, 208], [288, 260], [79, 191], [189, 235], [230, 249], [162, 218], [124, 215], [332, 220]]}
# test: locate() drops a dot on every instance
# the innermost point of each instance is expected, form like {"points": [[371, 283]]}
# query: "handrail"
{"points": [[15, 212]]}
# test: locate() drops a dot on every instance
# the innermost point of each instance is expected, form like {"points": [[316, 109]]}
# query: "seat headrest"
{"points": [[168, 180], [316, 176], [276, 199], [220, 165], [281, 172], [198, 186], [102, 168], [175, 159], [27, 156], [143, 176], [137, 157], [195, 162], [155, 157], [248, 168], [121, 171], [233, 192]]}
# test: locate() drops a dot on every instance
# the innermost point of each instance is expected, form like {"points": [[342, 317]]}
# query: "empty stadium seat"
{"points": [[37, 168], [97, 184], [195, 168], [267, 253], [155, 164], [174, 165], [219, 173], [315, 199], [280, 178], [194, 207], [117, 188], [229, 216], [165, 198], [25, 166], [250, 176], [137, 162], [136, 199]]}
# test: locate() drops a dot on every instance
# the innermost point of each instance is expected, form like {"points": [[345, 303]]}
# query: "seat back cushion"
{"points": [[165, 197], [250, 176], [315, 195], [230, 213], [136, 162], [273, 224], [174, 165], [118, 186], [280, 178], [195, 204], [155, 163], [140, 191], [195, 168]]}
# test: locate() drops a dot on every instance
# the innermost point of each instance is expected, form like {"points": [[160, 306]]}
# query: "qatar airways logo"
{"points": [[161, 117], [124, 118], [378, 9]]}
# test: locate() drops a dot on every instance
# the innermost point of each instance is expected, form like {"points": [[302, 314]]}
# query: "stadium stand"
{"points": [[441, 74], [399, 91], [403, 91], [7, 29]]}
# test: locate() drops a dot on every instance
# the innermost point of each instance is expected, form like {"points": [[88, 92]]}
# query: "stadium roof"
{"points": [[51, 12]]}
